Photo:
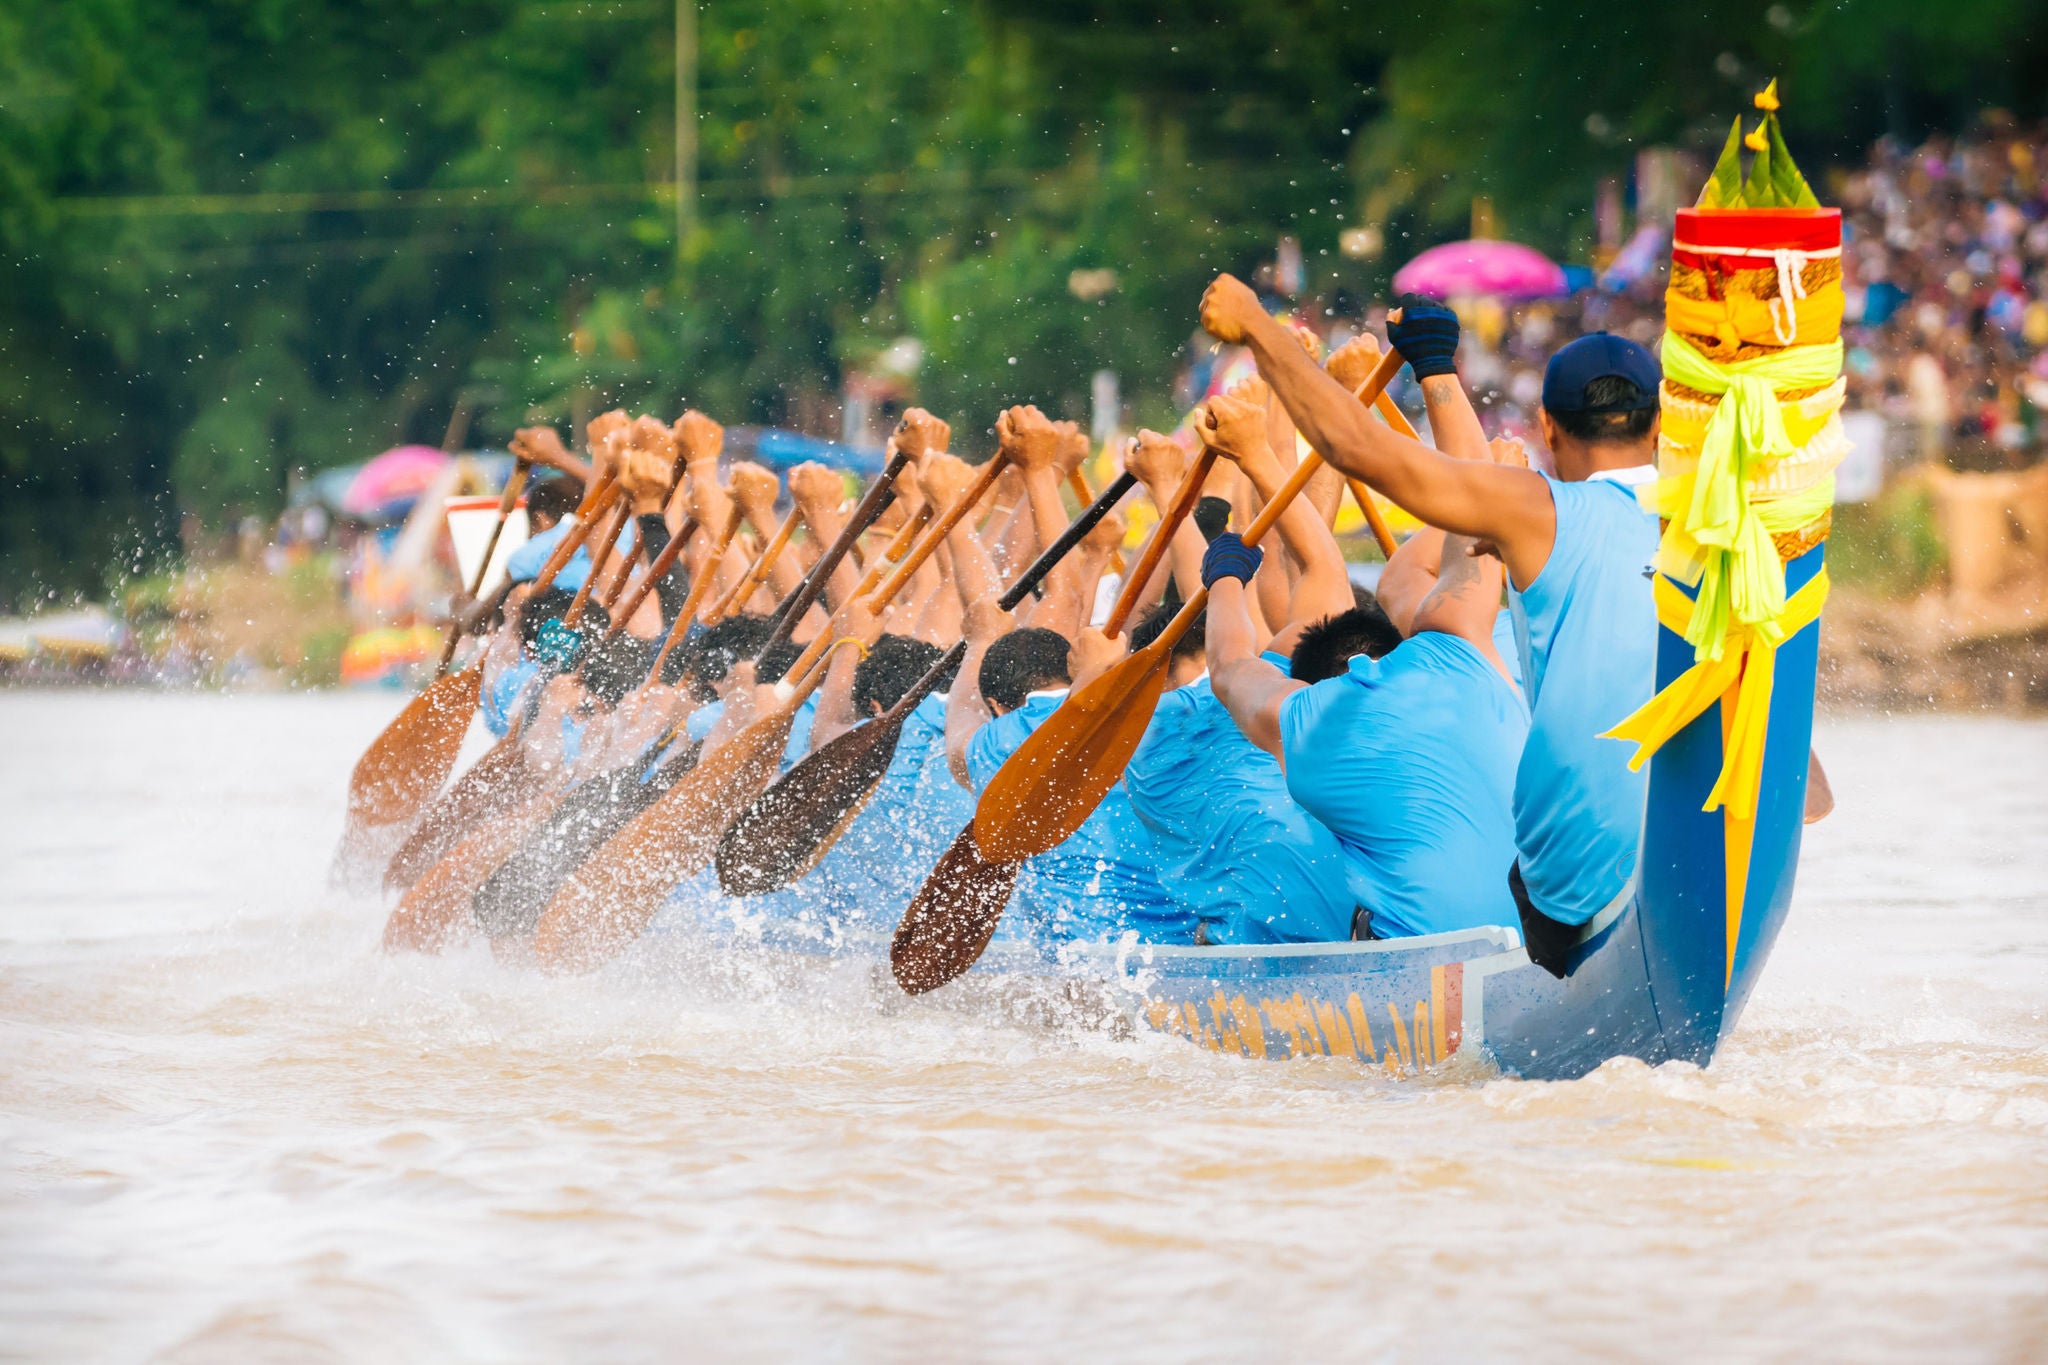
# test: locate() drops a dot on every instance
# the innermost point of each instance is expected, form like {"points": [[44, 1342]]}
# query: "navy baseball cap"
{"points": [[1599, 355]]}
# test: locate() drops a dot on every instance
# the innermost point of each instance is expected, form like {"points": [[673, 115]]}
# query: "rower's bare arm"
{"points": [[1160, 466], [966, 710], [1509, 507], [1235, 424], [1250, 688]]}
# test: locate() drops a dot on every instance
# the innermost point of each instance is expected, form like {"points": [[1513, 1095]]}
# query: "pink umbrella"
{"points": [[399, 475], [1506, 269]]}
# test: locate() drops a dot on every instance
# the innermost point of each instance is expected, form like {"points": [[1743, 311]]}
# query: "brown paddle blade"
{"points": [[495, 783], [406, 765], [794, 823], [602, 908], [438, 907], [950, 920], [1057, 777]]}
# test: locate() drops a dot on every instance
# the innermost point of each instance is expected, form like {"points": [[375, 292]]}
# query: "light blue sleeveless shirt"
{"points": [[1587, 632]]}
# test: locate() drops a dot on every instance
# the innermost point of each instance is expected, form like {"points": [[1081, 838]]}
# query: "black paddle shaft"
{"points": [[864, 514], [1079, 527]]}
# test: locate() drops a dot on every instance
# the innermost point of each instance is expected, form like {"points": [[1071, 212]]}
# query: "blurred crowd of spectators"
{"points": [[1946, 286]]}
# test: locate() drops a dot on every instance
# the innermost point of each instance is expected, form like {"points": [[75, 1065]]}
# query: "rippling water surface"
{"points": [[231, 1129]]}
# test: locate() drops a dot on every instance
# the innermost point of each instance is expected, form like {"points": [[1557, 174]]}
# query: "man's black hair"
{"points": [[721, 646], [613, 667], [551, 497], [1154, 622], [1326, 647], [1022, 662], [1212, 517], [1614, 412], [774, 665], [893, 665], [543, 607]]}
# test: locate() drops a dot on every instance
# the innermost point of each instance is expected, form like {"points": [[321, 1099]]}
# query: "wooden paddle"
{"points": [[1170, 518], [951, 918], [898, 546], [506, 501], [609, 900], [795, 822], [756, 575], [1361, 494], [939, 530], [870, 506], [1057, 777], [656, 571], [407, 763], [497, 780]]}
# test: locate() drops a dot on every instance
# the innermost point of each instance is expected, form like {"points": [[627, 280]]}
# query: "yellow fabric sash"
{"points": [[1717, 539], [1748, 664], [1745, 320]]}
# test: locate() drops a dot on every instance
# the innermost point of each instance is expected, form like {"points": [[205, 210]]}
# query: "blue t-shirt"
{"points": [[1504, 641], [1102, 880], [1587, 631], [524, 564], [1410, 760], [915, 813], [505, 693], [704, 717], [1233, 847]]}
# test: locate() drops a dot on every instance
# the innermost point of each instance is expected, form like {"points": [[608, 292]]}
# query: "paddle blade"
{"points": [[603, 907], [494, 784], [1053, 783], [437, 909], [406, 765], [952, 917], [791, 825]]}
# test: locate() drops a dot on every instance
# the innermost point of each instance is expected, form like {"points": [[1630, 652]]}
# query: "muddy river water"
{"points": [[232, 1129]]}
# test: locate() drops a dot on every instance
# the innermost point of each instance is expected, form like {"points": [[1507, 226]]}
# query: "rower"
{"points": [[1577, 548], [1408, 758], [1235, 850], [1103, 880]]}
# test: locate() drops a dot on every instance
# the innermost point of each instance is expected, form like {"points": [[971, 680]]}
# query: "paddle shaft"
{"points": [[1162, 539], [899, 546], [939, 530], [622, 512], [594, 502], [513, 485], [757, 573], [864, 514], [656, 571], [1367, 504], [705, 575]]}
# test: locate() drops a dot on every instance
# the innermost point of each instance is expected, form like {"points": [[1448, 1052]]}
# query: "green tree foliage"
{"points": [[243, 237]]}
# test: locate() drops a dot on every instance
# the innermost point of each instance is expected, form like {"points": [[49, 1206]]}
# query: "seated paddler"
{"points": [[1408, 758], [1234, 848], [1577, 547], [1103, 881]]}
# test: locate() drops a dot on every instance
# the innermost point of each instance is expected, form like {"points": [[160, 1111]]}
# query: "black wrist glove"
{"points": [[1229, 557], [1426, 336]]}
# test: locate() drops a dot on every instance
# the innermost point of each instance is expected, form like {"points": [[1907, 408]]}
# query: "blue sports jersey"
{"points": [[916, 811], [1587, 630], [505, 692], [524, 564], [1233, 847], [1101, 881], [1410, 760]]}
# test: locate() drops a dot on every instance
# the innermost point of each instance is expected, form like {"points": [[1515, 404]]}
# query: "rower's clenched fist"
{"points": [[1229, 309], [1353, 362], [755, 490], [1104, 537], [647, 461], [701, 438], [816, 488], [603, 432], [1158, 461], [920, 434], [1030, 439], [541, 446], [943, 480], [1233, 424]]}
